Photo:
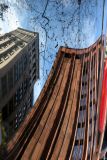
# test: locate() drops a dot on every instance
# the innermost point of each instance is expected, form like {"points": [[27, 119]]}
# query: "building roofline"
{"points": [[27, 30], [87, 49]]}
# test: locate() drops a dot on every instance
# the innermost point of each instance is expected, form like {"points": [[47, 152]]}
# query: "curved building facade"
{"points": [[64, 122]]}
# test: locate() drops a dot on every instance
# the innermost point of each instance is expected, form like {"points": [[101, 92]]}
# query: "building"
{"points": [[19, 70], [66, 121]]}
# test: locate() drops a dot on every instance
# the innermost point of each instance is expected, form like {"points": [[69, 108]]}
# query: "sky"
{"points": [[59, 23]]}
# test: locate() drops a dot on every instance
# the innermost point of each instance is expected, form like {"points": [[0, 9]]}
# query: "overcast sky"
{"points": [[59, 23]]}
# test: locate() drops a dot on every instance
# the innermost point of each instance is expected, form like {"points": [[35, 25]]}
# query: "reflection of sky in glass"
{"points": [[59, 23]]}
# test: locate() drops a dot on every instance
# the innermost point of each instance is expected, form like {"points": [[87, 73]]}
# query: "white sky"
{"points": [[11, 21]]}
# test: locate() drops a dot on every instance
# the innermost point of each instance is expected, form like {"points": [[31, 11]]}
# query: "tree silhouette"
{"points": [[3, 8]]}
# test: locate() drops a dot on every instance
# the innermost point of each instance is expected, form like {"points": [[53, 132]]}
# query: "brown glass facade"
{"points": [[63, 124], [19, 55]]}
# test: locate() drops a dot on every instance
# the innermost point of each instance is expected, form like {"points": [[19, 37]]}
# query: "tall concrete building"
{"points": [[19, 70]]}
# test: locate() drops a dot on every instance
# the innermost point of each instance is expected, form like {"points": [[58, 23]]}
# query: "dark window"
{"points": [[92, 63], [79, 125], [34, 56], [16, 73], [90, 91], [81, 142], [89, 138], [84, 107], [34, 72], [90, 103], [84, 70], [87, 54], [80, 108], [82, 96], [94, 48], [20, 67], [83, 124], [5, 112], [76, 142], [67, 55], [34, 78], [34, 65], [33, 45], [20, 92], [10, 79], [94, 117], [25, 61], [90, 120], [16, 98], [25, 85], [11, 106], [4, 85], [94, 101], [33, 50], [11, 126], [82, 83], [85, 83], [88, 158], [78, 56]]}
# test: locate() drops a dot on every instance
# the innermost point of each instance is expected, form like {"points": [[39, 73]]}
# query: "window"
{"points": [[33, 50], [81, 142], [90, 120], [20, 92], [16, 126], [34, 78], [95, 118], [16, 74], [84, 69], [10, 79], [90, 91], [11, 126], [83, 124], [16, 98], [20, 35], [89, 138], [33, 45], [91, 104], [11, 106], [6, 56], [5, 112], [20, 67], [4, 85], [25, 61], [88, 157], [76, 142], [82, 107], [85, 83], [34, 72], [79, 125], [82, 96], [94, 49], [34, 65], [34, 57]]}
